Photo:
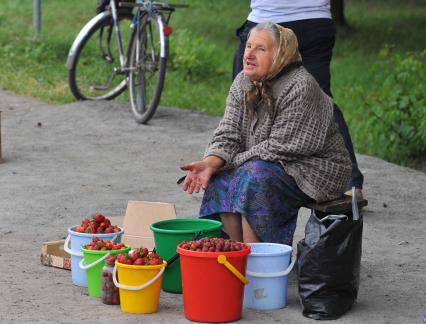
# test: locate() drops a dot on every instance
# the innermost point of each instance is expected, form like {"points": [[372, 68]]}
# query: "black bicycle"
{"points": [[105, 58]]}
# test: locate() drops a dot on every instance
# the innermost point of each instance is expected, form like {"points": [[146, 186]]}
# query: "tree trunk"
{"points": [[338, 12]]}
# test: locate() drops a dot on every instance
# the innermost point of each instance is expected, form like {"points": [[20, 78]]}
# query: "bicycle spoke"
{"points": [[97, 70], [147, 79], [97, 74]]}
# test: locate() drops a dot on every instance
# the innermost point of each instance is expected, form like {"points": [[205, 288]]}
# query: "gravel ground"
{"points": [[62, 162]]}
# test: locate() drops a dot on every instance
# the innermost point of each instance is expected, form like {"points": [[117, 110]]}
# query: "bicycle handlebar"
{"points": [[156, 5]]}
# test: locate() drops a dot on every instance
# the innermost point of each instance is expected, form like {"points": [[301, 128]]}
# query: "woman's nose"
{"points": [[249, 52]]}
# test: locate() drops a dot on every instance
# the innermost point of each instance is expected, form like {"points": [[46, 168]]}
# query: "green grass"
{"points": [[35, 64], [374, 26], [202, 47]]}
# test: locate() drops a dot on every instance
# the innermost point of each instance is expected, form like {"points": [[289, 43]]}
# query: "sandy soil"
{"points": [[64, 162]]}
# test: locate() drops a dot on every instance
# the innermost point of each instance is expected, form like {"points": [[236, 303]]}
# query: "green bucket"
{"points": [[167, 236], [93, 261]]}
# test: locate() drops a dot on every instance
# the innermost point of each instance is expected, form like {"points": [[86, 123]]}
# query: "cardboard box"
{"points": [[53, 255]]}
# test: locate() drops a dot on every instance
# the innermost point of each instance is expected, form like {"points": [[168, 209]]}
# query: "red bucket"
{"points": [[213, 284]]}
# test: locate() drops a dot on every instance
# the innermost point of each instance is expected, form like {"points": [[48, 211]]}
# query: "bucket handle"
{"points": [[273, 274], [176, 256], [78, 254], [172, 259], [146, 284], [91, 265], [222, 260], [68, 249]]}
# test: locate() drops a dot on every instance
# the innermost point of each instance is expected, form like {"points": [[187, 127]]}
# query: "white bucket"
{"points": [[268, 266], [77, 240]]}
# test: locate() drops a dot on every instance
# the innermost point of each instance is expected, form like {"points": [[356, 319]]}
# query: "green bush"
{"points": [[192, 55], [397, 129]]}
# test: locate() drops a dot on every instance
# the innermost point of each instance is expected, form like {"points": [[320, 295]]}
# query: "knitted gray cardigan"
{"points": [[301, 134]]}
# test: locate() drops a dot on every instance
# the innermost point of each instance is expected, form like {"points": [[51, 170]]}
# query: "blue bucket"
{"points": [[77, 241], [268, 266]]}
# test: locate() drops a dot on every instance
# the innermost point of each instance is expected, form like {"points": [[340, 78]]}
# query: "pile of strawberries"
{"points": [[110, 260], [99, 224], [109, 294], [213, 244], [140, 256], [98, 244]]}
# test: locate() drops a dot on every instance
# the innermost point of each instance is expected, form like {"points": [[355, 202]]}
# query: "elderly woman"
{"points": [[277, 147]]}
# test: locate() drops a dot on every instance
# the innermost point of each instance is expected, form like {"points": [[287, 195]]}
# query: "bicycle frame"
{"points": [[117, 31], [135, 59], [159, 18], [150, 12], [114, 13]]}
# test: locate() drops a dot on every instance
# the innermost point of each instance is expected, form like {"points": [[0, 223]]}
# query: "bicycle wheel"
{"points": [[94, 62], [147, 68]]}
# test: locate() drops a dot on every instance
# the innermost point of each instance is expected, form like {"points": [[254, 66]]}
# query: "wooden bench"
{"points": [[337, 206]]}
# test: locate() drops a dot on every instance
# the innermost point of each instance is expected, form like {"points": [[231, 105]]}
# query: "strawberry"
{"points": [[155, 261], [139, 261], [133, 254], [110, 260], [102, 227], [99, 218], [121, 258], [79, 229], [153, 255], [142, 252]]}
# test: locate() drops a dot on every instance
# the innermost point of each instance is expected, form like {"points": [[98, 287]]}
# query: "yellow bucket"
{"points": [[139, 287]]}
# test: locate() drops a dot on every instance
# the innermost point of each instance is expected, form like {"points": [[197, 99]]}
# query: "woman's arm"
{"points": [[200, 173], [227, 138], [225, 144]]}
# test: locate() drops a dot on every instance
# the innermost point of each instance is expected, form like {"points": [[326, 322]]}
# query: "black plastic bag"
{"points": [[328, 264]]}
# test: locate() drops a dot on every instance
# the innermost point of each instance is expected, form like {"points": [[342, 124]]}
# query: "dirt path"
{"points": [[63, 162]]}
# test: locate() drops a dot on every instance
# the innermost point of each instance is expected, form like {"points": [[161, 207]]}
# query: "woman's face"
{"points": [[258, 55]]}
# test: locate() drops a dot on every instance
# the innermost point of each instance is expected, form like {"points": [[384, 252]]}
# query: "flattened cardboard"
{"points": [[138, 218], [53, 255]]}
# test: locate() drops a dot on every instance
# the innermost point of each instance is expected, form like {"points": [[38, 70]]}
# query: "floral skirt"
{"points": [[263, 193]]}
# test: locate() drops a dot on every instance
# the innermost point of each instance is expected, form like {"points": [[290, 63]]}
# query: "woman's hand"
{"points": [[200, 173]]}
